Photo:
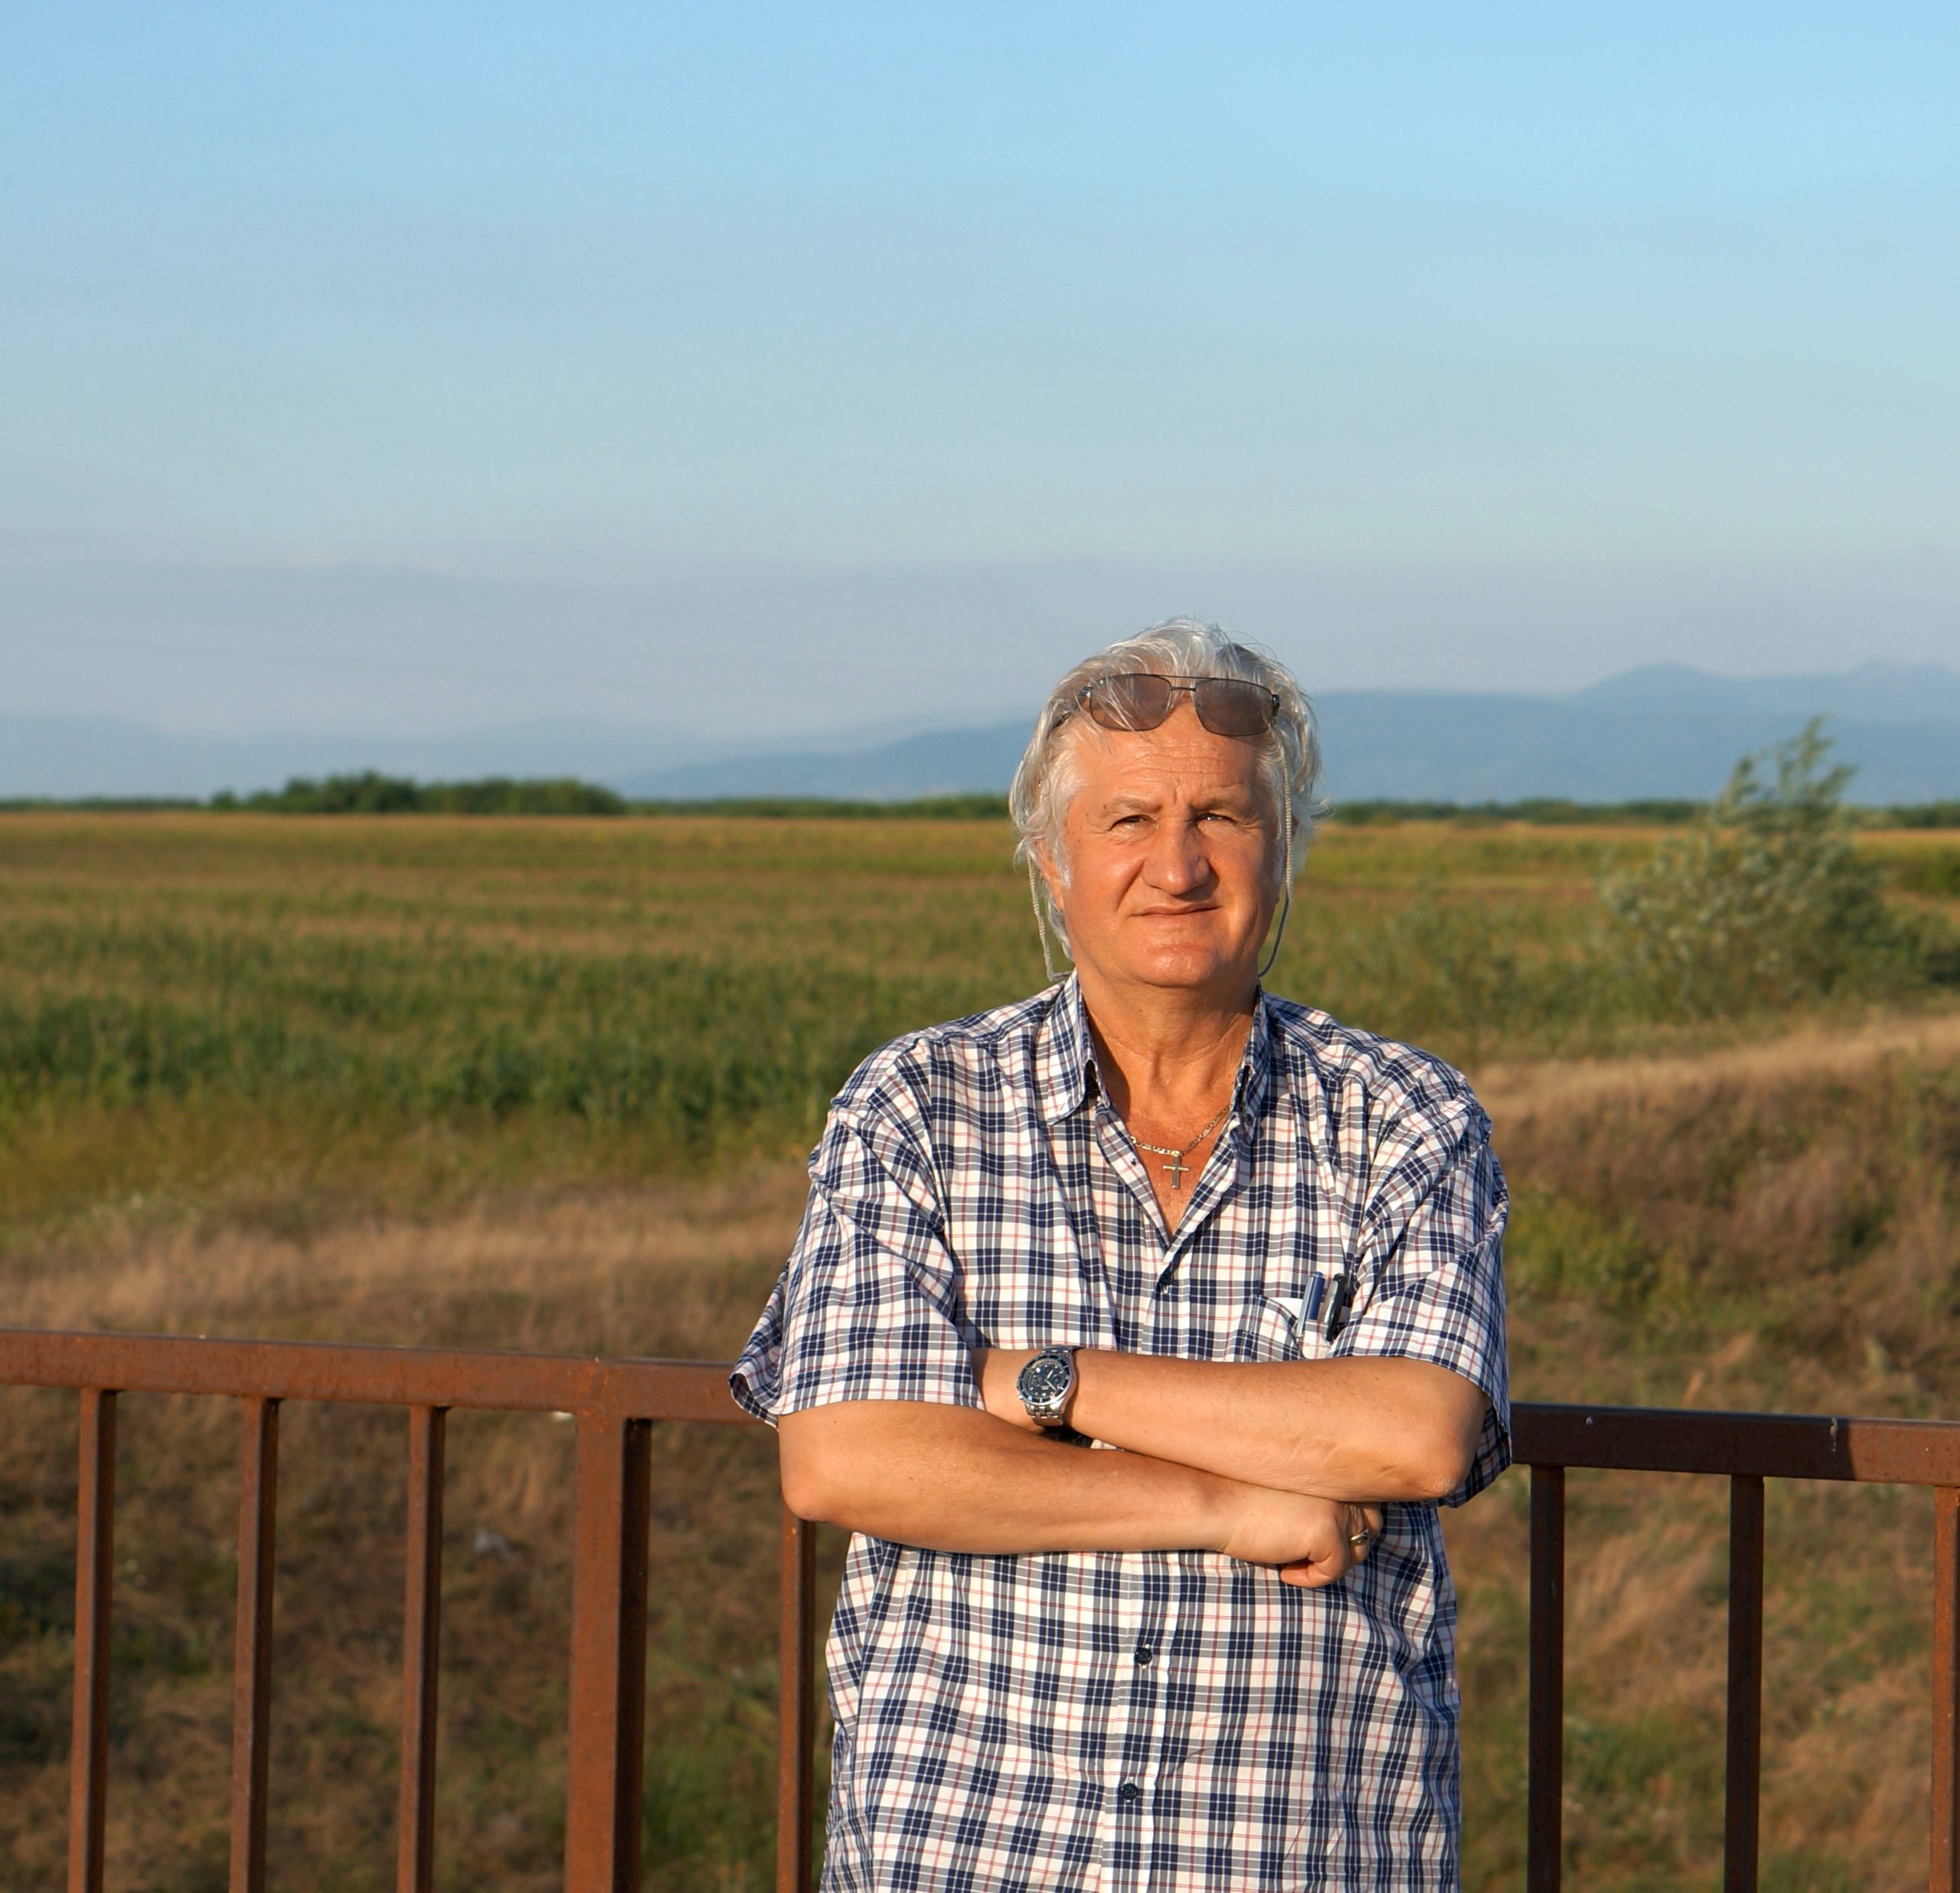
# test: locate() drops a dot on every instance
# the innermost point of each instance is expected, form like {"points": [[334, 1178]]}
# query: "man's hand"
{"points": [[1310, 1540]]}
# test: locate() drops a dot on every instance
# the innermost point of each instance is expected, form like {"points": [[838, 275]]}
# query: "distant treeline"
{"points": [[371, 793]]}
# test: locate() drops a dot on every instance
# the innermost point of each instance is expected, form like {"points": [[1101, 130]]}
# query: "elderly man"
{"points": [[1155, 1209]]}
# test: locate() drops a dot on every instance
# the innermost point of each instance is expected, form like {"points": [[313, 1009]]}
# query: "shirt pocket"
{"points": [[1279, 1327]]}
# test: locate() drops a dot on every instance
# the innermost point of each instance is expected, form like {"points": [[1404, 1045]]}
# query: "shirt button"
{"points": [[1128, 1792], [1144, 1652]]}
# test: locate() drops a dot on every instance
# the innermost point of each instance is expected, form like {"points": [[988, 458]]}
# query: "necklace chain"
{"points": [[1177, 1166]]}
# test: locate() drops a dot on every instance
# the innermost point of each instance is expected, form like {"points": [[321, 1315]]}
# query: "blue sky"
{"points": [[769, 367]]}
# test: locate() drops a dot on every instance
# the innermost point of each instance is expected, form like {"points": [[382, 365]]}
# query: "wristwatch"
{"points": [[1047, 1385]]}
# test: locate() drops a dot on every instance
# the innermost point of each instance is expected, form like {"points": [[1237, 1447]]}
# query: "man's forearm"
{"points": [[955, 1478], [1362, 1430]]}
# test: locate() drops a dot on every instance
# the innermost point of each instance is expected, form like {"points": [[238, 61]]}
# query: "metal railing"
{"points": [[1747, 1448], [616, 1402]]}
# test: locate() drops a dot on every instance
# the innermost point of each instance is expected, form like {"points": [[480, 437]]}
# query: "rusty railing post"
{"points": [[1741, 1822], [1545, 1752], [1943, 1873], [252, 1660], [608, 1707], [422, 1629], [797, 1710], [95, 1582]]}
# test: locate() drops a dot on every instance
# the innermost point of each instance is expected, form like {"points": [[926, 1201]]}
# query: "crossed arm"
{"points": [[1278, 1462]]}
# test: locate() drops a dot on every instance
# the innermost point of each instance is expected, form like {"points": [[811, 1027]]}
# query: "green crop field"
{"points": [[544, 1083], [632, 997]]}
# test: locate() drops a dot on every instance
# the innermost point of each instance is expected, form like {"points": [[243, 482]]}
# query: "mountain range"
{"points": [[1661, 730]]}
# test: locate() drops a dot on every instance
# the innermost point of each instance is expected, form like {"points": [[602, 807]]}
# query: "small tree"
{"points": [[1764, 902]]}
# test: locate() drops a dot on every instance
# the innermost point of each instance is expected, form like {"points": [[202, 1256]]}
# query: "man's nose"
{"points": [[1178, 862]]}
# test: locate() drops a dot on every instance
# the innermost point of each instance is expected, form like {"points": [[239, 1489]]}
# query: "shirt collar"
{"points": [[1064, 1056], [1065, 1077], [1255, 1078]]}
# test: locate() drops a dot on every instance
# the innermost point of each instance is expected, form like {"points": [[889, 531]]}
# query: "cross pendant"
{"points": [[1175, 1169]]}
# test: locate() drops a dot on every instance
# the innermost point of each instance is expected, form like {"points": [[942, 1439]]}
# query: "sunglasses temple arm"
{"points": [[1040, 924], [1285, 902]]}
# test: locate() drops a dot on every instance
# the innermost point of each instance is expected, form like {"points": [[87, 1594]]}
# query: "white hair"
{"points": [[1048, 777]]}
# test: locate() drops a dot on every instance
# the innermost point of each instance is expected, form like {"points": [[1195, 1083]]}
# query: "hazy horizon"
{"points": [[1664, 730], [867, 732]]}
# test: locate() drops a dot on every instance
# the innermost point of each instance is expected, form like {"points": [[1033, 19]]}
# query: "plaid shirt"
{"points": [[1174, 1720]]}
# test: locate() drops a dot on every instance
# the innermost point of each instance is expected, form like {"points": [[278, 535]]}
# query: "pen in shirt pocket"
{"points": [[1336, 1300], [1339, 1299]]}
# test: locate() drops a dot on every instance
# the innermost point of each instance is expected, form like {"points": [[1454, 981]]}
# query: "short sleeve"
{"points": [[868, 1306], [1432, 1258]]}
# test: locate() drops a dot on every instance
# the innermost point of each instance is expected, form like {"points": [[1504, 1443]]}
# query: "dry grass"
{"points": [[1515, 1092]]}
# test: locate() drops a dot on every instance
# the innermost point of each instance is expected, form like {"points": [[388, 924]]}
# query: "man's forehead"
{"points": [[1149, 765]]}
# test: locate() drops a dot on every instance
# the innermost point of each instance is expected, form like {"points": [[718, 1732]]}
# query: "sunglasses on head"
{"points": [[1141, 700]]}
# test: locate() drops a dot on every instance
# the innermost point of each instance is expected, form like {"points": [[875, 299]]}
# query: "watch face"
{"points": [[1043, 1380]]}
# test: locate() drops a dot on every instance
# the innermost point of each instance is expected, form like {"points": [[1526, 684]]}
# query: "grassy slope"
{"points": [[1767, 1225]]}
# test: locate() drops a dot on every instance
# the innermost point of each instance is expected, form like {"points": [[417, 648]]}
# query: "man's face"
{"points": [[1169, 846]]}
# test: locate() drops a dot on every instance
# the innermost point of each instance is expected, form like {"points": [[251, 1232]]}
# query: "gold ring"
{"points": [[1361, 1537]]}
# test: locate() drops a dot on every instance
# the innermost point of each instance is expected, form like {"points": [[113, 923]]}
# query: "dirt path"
{"points": [[1512, 1091]]}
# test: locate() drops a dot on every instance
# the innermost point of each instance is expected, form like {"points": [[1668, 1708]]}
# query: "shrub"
{"points": [[1764, 902]]}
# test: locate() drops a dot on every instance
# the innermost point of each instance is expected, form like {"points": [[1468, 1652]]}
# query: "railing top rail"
{"points": [[591, 1387], [1757, 1445], [1626, 1439]]}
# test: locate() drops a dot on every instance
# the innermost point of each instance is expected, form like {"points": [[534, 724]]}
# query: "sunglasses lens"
{"points": [[1228, 708], [1142, 700], [1131, 701]]}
